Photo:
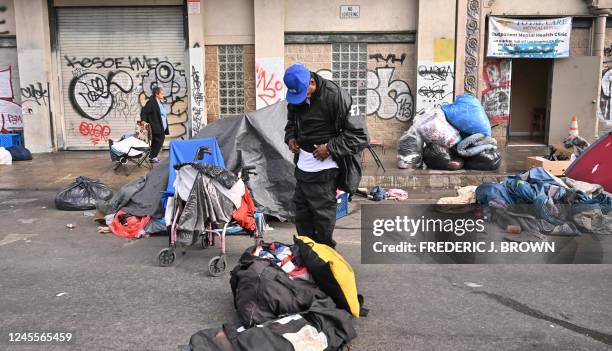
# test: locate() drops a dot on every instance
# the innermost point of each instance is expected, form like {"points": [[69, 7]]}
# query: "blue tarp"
{"points": [[182, 151]]}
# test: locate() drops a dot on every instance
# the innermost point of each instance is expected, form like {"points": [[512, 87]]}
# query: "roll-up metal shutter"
{"points": [[111, 58]]}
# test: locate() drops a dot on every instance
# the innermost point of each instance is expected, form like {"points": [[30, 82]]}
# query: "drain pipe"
{"points": [[599, 36]]}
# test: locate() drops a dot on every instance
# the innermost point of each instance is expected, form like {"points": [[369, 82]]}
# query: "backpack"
{"points": [[331, 272]]}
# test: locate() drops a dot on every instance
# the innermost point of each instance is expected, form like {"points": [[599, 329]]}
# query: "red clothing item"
{"points": [[244, 214], [133, 227]]}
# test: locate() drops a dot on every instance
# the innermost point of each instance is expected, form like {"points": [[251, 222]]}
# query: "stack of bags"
{"points": [[451, 137]]}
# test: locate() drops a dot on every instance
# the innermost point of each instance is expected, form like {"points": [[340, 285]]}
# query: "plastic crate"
{"points": [[8, 140], [342, 206]]}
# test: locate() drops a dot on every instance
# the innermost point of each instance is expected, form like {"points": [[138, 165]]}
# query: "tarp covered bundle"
{"points": [[549, 205], [594, 165], [259, 135]]}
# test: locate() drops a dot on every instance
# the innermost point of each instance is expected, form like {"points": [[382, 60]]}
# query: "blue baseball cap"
{"points": [[297, 80]]}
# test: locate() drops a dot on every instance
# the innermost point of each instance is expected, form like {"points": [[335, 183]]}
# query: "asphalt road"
{"points": [[113, 296]]}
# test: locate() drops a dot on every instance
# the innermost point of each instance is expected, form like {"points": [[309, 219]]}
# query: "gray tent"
{"points": [[260, 137]]}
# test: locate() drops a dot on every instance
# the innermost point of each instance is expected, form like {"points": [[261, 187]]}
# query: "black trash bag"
{"points": [[410, 150], [442, 158], [488, 160], [19, 153], [82, 195]]}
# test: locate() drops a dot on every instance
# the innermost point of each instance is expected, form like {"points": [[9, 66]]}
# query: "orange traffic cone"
{"points": [[573, 129]]}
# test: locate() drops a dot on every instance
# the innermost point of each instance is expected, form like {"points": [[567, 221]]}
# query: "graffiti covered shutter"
{"points": [[110, 60]]}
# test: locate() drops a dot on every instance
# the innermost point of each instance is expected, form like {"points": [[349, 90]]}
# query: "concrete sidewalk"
{"points": [[54, 171]]}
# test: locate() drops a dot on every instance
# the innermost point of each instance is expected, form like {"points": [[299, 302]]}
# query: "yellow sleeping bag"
{"points": [[331, 272]]}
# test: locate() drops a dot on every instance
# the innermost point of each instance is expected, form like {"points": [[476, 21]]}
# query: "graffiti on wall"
{"points": [[35, 94], [105, 90], [436, 77], [389, 58], [92, 94], [96, 132], [605, 95], [497, 74], [605, 98], [387, 97], [11, 115], [170, 79], [130, 63], [197, 92], [269, 81], [435, 82]]}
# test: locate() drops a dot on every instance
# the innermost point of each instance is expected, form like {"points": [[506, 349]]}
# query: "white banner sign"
{"points": [[539, 38]]}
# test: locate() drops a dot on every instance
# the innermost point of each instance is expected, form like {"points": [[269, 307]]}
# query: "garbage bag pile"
{"points": [[539, 203], [452, 137], [288, 297], [82, 195]]}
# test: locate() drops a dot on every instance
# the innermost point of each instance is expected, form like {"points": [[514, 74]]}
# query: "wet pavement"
{"points": [[54, 171], [111, 293]]}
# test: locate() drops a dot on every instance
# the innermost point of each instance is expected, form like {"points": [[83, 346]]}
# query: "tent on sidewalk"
{"points": [[595, 164], [260, 136]]}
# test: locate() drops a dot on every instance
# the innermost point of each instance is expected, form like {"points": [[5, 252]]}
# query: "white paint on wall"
{"points": [[269, 86], [435, 82]]}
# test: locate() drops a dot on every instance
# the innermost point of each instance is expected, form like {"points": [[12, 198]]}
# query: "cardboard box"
{"points": [[555, 167]]}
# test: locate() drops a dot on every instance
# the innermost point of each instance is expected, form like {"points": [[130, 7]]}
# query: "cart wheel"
{"points": [[166, 257], [204, 242], [216, 265]]}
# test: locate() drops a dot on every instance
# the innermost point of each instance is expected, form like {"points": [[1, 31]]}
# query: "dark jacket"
{"points": [[349, 134], [150, 113]]}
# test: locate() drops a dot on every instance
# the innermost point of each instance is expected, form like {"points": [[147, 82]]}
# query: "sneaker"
{"points": [[154, 160]]}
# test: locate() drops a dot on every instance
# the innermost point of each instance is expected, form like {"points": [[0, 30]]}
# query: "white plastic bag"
{"points": [[5, 157], [434, 128]]}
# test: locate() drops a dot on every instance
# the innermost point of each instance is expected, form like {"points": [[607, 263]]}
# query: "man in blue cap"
{"points": [[326, 141]]}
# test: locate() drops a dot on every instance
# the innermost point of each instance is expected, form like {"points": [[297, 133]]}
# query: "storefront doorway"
{"points": [[529, 101]]}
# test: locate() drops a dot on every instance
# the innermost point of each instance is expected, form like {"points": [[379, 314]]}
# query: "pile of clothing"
{"points": [[451, 137], [539, 203], [378, 193], [288, 297], [210, 194], [113, 219]]}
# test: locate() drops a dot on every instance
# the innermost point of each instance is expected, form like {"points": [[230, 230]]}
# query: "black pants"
{"points": [[315, 204], [157, 141]]}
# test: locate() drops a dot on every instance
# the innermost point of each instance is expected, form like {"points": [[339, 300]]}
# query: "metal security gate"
{"points": [[111, 58]]}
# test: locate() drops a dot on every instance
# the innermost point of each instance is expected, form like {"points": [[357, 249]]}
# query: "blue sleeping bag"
{"points": [[19, 153], [467, 115]]}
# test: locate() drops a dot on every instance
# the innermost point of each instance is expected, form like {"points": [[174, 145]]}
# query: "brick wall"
{"points": [[387, 81], [315, 56], [249, 78], [390, 84], [211, 81]]}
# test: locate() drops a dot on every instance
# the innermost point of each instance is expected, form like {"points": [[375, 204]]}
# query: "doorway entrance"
{"points": [[529, 101]]}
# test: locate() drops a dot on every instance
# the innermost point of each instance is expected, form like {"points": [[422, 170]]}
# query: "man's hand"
{"points": [[293, 146], [321, 152]]}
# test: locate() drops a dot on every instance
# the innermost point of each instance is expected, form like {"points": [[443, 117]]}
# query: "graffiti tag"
{"points": [[91, 94], [95, 131]]}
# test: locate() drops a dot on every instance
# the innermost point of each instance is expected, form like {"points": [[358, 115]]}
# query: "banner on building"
{"points": [[533, 38]]}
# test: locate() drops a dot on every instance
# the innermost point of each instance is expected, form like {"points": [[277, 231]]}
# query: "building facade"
{"points": [[74, 73]]}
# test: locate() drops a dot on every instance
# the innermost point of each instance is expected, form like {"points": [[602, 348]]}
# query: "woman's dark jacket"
{"points": [[150, 113]]}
